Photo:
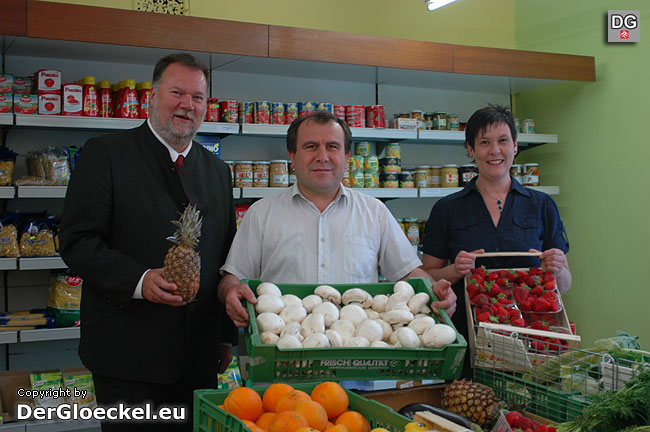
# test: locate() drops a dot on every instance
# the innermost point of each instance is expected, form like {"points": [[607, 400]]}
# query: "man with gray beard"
{"points": [[142, 343]]}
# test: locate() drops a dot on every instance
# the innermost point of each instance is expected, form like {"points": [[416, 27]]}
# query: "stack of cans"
{"points": [[363, 170]]}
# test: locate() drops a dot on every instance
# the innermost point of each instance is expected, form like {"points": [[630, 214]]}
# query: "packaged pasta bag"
{"points": [[9, 235], [65, 298], [7, 163], [36, 236], [57, 168]]}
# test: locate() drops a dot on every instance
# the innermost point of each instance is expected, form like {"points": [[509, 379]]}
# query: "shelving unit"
{"points": [[6, 119], [7, 192], [50, 334], [41, 263], [41, 191]]}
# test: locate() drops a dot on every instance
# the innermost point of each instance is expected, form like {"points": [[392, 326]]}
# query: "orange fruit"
{"points": [[329, 424], [306, 429], [332, 397], [265, 420], [337, 428], [288, 421], [252, 426], [244, 403], [272, 394], [354, 421], [314, 413], [289, 400]]}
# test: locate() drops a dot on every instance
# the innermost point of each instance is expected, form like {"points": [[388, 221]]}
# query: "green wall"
{"points": [[600, 162]]}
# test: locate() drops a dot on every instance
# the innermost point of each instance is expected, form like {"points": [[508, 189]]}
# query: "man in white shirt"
{"points": [[319, 231]]}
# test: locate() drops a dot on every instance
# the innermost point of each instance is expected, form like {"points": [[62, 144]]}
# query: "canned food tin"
{"points": [[452, 122], [243, 174], [229, 111], [371, 180], [439, 120], [246, 112], [412, 230], [449, 174], [346, 179], [261, 173], [305, 108], [262, 112], [277, 113], [528, 126], [390, 165], [356, 179], [339, 111], [231, 165], [371, 164], [355, 115], [421, 178], [375, 116], [278, 173], [466, 173], [531, 174], [517, 171], [434, 176], [212, 110], [406, 179], [362, 149], [290, 112], [356, 164], [393, 150], [389, 180], [325, 106]]}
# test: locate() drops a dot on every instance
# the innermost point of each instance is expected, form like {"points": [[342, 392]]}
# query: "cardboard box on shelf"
{"points": [[10, 382], [397, 399]]}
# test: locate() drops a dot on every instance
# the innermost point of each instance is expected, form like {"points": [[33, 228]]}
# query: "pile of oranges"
{"points": [[285, 409]]}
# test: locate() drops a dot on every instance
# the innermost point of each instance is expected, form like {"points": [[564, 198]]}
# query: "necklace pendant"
{"points": [[500, 205]]}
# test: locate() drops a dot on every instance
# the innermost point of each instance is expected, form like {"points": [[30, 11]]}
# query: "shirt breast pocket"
{"points": [[465, 234], [362, 252], [526, 229]]}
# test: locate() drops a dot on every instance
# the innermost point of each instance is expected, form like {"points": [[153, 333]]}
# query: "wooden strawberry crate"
{"points": [[505, 347]]}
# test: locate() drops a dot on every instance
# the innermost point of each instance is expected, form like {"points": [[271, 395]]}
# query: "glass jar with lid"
{"points": [[439, 120], [453, 123], [244, 174], [449, 174]]}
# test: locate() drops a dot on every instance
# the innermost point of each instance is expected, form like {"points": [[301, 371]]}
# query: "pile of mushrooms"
{"points": [[355, 318]]}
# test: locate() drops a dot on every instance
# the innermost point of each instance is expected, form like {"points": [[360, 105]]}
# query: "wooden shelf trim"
{"points": [[13, 19]]}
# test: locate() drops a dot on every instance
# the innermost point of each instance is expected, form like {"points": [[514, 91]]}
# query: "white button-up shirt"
{"points": [[286, 239]]}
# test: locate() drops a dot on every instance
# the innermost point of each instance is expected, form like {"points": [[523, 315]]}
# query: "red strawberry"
{"points": [[549, 286], [501, 312], [502, 281], [530, 281], [538, 345], [538, 325], [531, 299], [541, 305], [495, 290], [513, 313], [504, 319], [492, 276], [535, 271], [541, 428], [554, 306], [548, 277], [519, 322], [525, 306], [512, 417], [549, 295], [483, 317], [472, 290], [511, 276], [520, 293], [534, 317], [525, 423], [477, 279], [504, 300], [481, 299], [551, 429], [537, 291]]}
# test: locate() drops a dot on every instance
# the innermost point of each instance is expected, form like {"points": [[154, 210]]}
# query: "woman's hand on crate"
{"points": [[555, 261], [465, 262], [233, 294]]}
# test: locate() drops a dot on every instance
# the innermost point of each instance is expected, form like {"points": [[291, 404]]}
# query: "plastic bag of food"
{"points": [[46, 380], [65, 298], [81, 385], [9, 235], [37, 237], [231, 378], [57, 168], [7, 163]]}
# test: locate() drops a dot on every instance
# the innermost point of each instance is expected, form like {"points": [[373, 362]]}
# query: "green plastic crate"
{"points": [[269, 364], [209, 418]]}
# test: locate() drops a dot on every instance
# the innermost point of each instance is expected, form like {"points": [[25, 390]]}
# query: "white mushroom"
{"points": [[335, 338], [268, 288], [270, 322], [371, 330], [379, 344], [419, 302], [357, 341], [353, 313], [357, 295], [269, 338], [316, 340], [314, 323], [269, 303], [403, 287], [289, 342], [421, 324], [329, 311], [397, 301], [292, 329], [393, 339], [397, 317], [293, 312], [343, 327], [290, 299], [438, 336], [328, 293], [407, 338], [379, 302], [311, 301], [387, 329], [372, 314]]}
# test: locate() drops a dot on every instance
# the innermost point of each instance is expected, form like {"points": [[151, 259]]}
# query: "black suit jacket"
{"points": [[122, 196]]}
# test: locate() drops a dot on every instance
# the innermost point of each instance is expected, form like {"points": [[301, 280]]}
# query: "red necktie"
{"points": [[179, 161]]}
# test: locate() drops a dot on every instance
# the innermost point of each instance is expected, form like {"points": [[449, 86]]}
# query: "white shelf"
{"points": [[264, 129], [437, 136], [42, 191], [389, 192], [536, 138], [7, 192], [251, 192], [8, 337], [8, 263], [41, 263], [75, 122], [6, 119], [219, 128], [442, 192], [236, 193], [13, 427], [50, 334], [383, 134]]}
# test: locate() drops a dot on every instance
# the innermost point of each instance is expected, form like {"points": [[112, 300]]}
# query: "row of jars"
{"points": [[436, 120], [274, 173], [413, 229]]}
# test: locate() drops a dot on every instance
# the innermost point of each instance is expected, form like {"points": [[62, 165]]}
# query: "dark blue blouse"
{"points": [[461, 221]]}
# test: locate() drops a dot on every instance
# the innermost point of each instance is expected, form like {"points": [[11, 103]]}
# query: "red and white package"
{"points": [[49, 104], [72, 99], [6, 103], [25, 104], [22, 85], [6, 83], [48, 81]]}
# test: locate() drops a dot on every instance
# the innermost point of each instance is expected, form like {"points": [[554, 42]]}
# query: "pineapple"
{"points": [[476, 402], [183, 263]]}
